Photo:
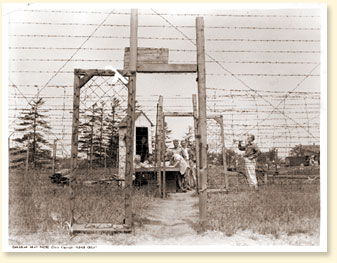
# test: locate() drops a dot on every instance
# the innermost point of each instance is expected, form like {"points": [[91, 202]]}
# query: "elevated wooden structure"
{"points": [[145, 60]]}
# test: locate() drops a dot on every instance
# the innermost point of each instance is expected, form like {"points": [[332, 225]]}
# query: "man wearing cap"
{"points": [[176, 147], [252, 151]]}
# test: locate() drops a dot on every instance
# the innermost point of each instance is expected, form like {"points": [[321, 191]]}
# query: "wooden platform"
{"points": [[171, 176], [155, 169], [106, 228]]}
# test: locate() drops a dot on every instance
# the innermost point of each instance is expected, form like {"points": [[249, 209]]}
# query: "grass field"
{"points": [[36, 206], [39, 210], [285, 207]]}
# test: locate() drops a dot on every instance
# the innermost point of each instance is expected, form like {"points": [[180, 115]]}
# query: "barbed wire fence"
{"points": [[44, 52]]}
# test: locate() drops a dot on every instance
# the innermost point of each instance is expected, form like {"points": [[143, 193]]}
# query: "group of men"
{"points": [[183, 156]]}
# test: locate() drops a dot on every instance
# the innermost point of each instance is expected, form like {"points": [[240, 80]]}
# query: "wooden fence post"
{"points": [[159, 142], [197, 140], [74, 144], [105, 166], [131, 117], [163, 155], [27, 160], [54, 157], [9, 153], [202, 120], [224, 159]]}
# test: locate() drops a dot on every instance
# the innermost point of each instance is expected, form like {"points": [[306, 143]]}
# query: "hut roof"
{"points": [[311, 148], [124, 123]]}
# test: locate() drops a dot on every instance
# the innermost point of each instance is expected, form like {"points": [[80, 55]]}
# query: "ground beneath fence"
{"points": [[174, 221], [170, 221]]}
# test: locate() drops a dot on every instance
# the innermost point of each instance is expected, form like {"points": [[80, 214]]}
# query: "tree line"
{"points": [[98, 136]]}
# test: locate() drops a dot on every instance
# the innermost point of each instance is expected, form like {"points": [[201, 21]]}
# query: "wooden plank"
{"points": [[163, 154], [131, 118], [94, 228], [178, 114], [159, 140], [86, 74], [74, 145], [54, 157], [146, 55], [153, 169], [221, 190], [95, 72], [215, 117], [202, 121], [222, 134], [9, 151], [27, 159], [197, 142], [167, 68]]}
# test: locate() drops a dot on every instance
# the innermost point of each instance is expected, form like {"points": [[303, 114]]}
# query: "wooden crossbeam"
{"points": [[178, 114], [153, 169], [85, 75], [95, 72], [214, 116], [99, 228], [166, 68]]}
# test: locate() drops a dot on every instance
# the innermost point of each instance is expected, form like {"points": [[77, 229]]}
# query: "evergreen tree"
{"points": [[87, 133], [34, 128], [112, 134], [98, 134], [189, 135]]}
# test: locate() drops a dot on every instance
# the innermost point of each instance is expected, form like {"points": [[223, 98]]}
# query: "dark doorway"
{"points": [[142, 142]]}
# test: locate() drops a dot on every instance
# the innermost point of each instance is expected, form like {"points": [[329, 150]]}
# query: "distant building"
{"points": [[309, 150], [142, 139], [304, 155]]}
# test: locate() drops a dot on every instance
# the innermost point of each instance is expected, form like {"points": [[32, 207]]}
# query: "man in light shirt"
{"points": [[250, 156], [179, 161]]}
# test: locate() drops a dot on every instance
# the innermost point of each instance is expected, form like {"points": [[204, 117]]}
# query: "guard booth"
{"points": [[142, 139]]}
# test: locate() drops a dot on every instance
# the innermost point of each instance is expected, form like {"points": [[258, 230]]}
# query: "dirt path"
{"points": [[170, 219], [174, 221]]}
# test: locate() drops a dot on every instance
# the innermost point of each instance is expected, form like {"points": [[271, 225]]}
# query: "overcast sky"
{"points": [[271, 52]]}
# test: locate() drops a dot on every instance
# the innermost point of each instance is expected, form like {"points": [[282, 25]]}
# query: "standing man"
{"points": [[250, 156], [187, 178], [179, 161], [184, 150], [176, 147]]}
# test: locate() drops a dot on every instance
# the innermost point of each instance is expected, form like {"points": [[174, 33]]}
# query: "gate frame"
{"points": [[83, 76], [161, 143]]}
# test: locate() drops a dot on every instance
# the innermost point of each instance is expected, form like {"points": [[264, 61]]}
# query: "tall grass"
{"points": [[273, 210], [38, 206]]}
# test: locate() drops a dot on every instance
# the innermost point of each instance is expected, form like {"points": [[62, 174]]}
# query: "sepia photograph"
{"points": [[164, 127]]}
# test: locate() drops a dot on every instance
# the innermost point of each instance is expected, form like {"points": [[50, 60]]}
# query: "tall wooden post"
{"points": [[159, 142], [224, 159], [197, 140], [202, 120], [74, 144], [54, 157], [91, 153], [27, 160], [92, 136], [163, 156], [131, 116], [105, 159], [9, 153]]}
